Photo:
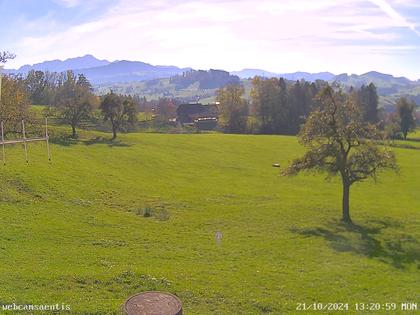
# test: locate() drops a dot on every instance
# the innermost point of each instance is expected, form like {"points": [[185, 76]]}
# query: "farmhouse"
{"points": [[204, 117]]}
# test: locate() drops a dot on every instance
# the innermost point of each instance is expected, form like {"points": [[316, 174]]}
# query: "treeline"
{"points": [[281, 108], [273, 106], [212, 79], [277, 106]]}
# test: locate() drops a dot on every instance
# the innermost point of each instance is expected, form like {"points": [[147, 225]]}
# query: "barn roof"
{"points": [[197, 109]]}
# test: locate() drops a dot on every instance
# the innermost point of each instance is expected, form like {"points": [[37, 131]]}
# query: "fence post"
{"points": [[47, 138], [24, 141], [2, 142]]}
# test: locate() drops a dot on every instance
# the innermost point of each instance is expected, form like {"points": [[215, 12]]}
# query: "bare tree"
{"points": [[5, 56]]}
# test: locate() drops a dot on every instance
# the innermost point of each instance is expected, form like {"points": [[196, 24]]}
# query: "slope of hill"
{"points": [[250, 73], [188, 87], [386, 83], [389, 88], [325, 76], [74, 231]]}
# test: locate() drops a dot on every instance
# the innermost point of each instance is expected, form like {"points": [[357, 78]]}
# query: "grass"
{"points": [[415, 135], [74, 232]]}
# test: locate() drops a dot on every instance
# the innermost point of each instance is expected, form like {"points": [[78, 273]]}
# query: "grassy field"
{"points": [[76, 231]]}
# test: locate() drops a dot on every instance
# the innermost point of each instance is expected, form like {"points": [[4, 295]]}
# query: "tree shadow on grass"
{"points": [[397, 249], [63, 140], [405, 146], [109, 142], [413, 140]]}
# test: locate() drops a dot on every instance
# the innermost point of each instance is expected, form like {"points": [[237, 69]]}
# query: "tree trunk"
{"points": [[346, 201], [114, 133], [73, 129]]}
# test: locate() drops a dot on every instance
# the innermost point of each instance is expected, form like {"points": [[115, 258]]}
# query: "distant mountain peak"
{"points": [[56, 65]]}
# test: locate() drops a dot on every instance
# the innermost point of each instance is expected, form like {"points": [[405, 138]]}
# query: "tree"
{"points": [[233, 107], [301, 95], [14, 104], [166, 109], [368, 100], [36, 85], [339, 142], [5, 55], [119, 110], [406, 115], [281, 108], [271, 104], [74, 102], [84, 82]]}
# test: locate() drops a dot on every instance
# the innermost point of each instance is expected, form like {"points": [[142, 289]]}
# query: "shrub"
{"points": [[159, 213]]}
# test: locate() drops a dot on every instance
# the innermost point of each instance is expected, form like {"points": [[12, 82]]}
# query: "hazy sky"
{"points": [[353, 36]]}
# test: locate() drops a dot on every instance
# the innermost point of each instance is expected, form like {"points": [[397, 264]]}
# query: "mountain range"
{"points": [[105, 73], [84, 62]]}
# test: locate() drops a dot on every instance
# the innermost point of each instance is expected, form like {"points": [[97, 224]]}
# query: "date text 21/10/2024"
{"points": [[372, 307]]}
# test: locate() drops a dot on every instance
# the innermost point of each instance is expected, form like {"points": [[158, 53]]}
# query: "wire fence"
{"points": [[23, 139]]}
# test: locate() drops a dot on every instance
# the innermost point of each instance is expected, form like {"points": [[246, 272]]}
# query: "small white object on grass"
{"points": [[219, 237]]}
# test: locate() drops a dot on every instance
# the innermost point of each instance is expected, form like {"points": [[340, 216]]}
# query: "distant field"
{"points": [[413, 141], [73, 231], [415, 135], [160, 88]]}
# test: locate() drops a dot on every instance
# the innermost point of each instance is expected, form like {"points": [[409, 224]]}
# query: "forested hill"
{"points": [[212, 79], [389, 87], [189, 86]]}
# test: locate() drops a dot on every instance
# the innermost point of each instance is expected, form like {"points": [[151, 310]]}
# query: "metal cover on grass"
{"points": [[153, 303]]}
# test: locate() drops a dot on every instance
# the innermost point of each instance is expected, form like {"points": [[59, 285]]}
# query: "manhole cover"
{"points": [[153, 303]]}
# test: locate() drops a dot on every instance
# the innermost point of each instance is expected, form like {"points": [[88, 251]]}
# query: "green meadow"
{"points": [[206, 217]]}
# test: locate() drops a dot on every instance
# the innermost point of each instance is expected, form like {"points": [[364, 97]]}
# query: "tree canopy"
{"points": [[14, 104], [233, 108], [74, 101], [119, 110], [406, 115], [368, 100], [281, 107]]}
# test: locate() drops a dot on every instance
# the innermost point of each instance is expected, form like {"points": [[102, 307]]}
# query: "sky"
{"points": [[352, 36]]}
